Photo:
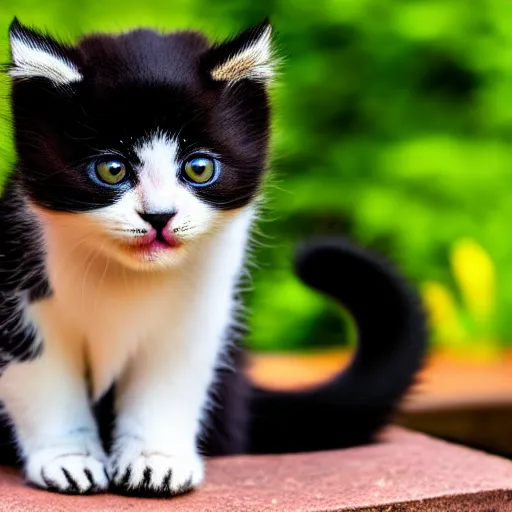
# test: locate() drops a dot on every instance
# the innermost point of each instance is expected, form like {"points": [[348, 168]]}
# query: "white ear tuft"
{"points": [[248, 56], [38, 56]]}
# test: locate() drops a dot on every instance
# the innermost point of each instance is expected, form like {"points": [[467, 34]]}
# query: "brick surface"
{"points": [[405, 471]]}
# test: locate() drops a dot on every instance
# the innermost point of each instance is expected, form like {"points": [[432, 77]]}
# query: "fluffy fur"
{"points": [[118, 298]]}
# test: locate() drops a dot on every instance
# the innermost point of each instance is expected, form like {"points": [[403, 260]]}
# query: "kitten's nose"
{"points": [[158, 220]]}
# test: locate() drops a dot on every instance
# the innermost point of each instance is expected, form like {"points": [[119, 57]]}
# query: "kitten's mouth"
{"points": [[154, 242]]}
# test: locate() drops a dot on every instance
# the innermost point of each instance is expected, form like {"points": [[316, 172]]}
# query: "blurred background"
{"points": [[393, 124]]}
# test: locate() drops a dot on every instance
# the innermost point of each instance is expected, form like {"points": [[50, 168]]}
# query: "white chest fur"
{"points": [[109, 314]]}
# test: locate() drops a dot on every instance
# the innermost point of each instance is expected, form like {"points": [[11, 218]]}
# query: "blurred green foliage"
{"points": [[393, 124]]}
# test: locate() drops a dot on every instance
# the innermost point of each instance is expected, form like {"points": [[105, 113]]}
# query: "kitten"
{"points": [[124, 228]]}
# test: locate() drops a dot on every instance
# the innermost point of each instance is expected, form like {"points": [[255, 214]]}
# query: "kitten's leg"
{"points": [[46, 401], [160, 402]]}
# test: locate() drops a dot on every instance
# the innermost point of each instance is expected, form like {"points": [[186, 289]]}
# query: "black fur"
{"points": [[391, 347], [133, 84], [21, 278]]}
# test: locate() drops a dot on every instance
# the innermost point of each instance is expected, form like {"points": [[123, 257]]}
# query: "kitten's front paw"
{"points": [[68, 472], [149, 472]]}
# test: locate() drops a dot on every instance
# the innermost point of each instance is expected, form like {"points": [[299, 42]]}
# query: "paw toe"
{"points": [[71, 474], [158, 475]]}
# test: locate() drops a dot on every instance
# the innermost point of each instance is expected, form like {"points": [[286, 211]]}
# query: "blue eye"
{"points": [[200, 170]]}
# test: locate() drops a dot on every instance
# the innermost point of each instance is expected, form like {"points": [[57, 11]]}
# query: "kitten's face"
{"points": [[140, 144]]}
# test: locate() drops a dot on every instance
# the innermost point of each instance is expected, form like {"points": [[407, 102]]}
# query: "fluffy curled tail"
{"points": [[392, 340]]}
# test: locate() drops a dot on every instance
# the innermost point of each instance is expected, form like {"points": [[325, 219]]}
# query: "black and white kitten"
{"points": [[124, 228]]}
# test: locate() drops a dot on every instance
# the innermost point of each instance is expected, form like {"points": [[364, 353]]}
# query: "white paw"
{"points": [[138, 470], [68, 469]]}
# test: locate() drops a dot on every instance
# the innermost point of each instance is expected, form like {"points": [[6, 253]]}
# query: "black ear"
{"points": [[37, 55], [247, 56]]}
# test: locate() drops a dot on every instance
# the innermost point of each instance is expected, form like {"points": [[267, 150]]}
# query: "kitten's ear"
{"points": [[35, 55], [248, 55]]}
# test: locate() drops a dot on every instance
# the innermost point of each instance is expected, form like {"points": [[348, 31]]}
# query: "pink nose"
{"points": [[158, 220]]}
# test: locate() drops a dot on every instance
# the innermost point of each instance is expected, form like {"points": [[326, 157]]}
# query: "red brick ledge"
{"points": [[406, 471]]}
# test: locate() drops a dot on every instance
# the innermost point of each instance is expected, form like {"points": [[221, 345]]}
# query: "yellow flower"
{"points": [[442, 312], [474, 271]]}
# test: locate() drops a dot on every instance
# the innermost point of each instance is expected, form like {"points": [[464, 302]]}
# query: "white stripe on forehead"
{"points": [[156, 150], [157, 172]]}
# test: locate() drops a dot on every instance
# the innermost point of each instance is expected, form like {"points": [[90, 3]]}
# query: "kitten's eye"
{"points": [[200, 170], [111, 172]]}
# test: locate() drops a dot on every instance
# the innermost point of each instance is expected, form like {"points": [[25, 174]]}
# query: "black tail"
{"points": [[349, 409]]}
